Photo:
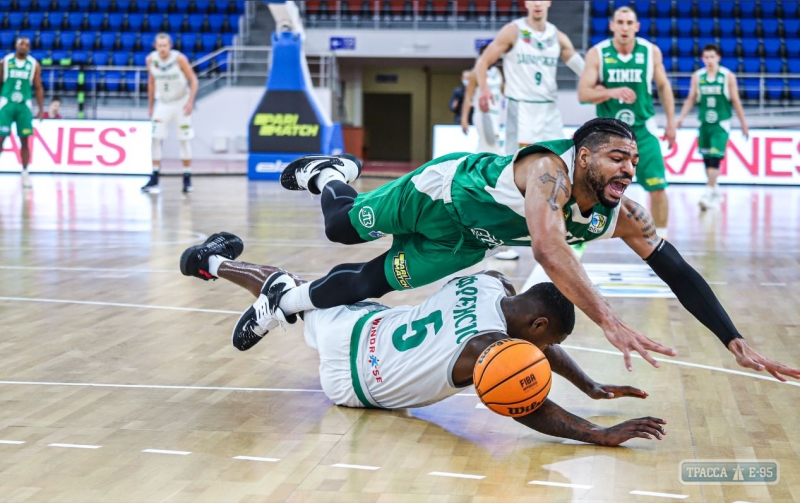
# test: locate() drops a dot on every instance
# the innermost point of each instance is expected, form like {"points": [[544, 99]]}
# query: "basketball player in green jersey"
{"points": [[715, 90], [454, 211], [21, 76], [618, 78]]}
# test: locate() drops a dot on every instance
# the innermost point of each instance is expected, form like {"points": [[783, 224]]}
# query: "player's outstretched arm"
{"points": [[547, 190], [251, 277], [637, 229], [551, 419], [563, 365]]}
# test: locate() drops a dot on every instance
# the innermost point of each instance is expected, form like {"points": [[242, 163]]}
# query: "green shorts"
{"points": [[712, 141], [19, 113], [650, 172], [428, 244]]}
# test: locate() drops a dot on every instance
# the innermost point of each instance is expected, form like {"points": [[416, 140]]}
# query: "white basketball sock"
{"points": [[297, 299], [326, 176], [214, 261]]}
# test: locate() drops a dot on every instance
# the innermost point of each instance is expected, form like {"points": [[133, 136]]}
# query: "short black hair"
{"points": [[713, 47], [557, 307], [596, 132], [56, 98]]}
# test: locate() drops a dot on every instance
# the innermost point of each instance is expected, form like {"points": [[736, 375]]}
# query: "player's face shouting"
{"points": [[611, 170]]}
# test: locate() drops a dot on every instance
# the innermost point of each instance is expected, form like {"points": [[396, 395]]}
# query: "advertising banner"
{"points": [[83, 146]]}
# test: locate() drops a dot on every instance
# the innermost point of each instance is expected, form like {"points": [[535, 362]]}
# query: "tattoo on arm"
{"points": [[559, 184], [551, 419], [563, 365], [645, 221]]}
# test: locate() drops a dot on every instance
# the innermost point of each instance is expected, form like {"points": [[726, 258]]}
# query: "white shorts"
{"points": [[488, 128], [329, 332], [165, 113], [528, 123]]}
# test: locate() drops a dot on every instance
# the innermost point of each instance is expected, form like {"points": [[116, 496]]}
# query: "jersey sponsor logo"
{"points": [[401, 270], [530, 59], [526, 36], [464, 316], [527, 382], [367, 217], [639, 58], [621, 75], [712, 116], [707, 89], [283, 125], [486, 238], [17, 97], [598, 223], [626, 116], [377, 234], [610, 61], [19, 74], [374, 362]]}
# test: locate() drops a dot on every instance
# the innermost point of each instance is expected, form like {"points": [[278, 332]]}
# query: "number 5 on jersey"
{"points": [[419, 327]]}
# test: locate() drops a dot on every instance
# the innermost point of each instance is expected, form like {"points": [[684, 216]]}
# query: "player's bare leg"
{"points": [[251, 277], [25, 155], [659, 208], [152, 186]]}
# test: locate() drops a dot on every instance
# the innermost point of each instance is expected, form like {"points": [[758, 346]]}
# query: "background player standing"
{"points": [[625, 67], [715, 90], [487, 124], [21, 75], [171, 90]]}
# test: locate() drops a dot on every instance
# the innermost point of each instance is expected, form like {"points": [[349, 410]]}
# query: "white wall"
{"points": [[400, 43]]}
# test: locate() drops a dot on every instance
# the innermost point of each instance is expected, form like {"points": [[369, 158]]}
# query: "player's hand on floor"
{"points": [[643, 427], [749, 358], [609, 391], [627, 340]]}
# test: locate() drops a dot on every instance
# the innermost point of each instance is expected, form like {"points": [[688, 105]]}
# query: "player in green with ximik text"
{"points": [[715, 91], [618, 78], [21, 78]]}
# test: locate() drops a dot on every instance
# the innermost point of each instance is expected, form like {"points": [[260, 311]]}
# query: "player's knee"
{"points": [[712, 162], [338, 229], [185, 149]]}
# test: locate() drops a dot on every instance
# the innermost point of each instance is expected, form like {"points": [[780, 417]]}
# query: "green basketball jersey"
{"points": [[635, 71], [713, 96], [17, 79], [486, 200]]}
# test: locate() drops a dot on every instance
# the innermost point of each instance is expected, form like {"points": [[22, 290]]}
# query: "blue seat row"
{"points": [[660, 27], [144, 6], [118, 21], [67, 40], [702, 8], [746, 65]]}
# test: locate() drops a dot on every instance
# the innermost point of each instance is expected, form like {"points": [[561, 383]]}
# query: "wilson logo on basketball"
{"points": [[528, 382], [516, 411]]}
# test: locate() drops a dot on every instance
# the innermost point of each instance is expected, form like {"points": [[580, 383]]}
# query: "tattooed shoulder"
{"points": [[642, 219], [559, 183]]}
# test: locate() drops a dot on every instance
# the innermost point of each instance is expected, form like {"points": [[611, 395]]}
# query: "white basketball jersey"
{"points": [[530, 66], [171, 83], [404, 356], [494, 81]]}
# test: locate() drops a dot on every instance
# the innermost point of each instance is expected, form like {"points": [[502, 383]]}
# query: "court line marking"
{"points": [[457, 475], [121, 270], [118, 304], [12, 442], [767, 283], [559, 484], [688, 364], [356, 467], [661, 495], [254, 458], [163, 451], [157, 386], [75, 446]]}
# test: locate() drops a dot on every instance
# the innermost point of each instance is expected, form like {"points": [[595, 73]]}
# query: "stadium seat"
{"points": [[596, 39], [750, 87], [769, 9], [88, 39], [147, 41], [112, 80], [128, 40], [123, 5], [47, 39], [227, 39], [663, 27], [108, 41], [23, 5], [120, 58], [792, 48], [685, 29], [600, 7], [769, 28], [706, 27], [686, 48], [129, 82], [642, 8], [731, 64], [103, 5], [237, 7], [663, 8], [233, 22], [187, 41], [15, 20], [135, 22], [175, 22], [196, 23], [183, 6], [705, 9], [686, 65], [63, 5], [201, 6], [221, 61], [790, 8], [80, 57], [75, 20], [773, 65], [66, 40], [794, 67], [35, 20], [59, 55], [748, 27], [727, 27], [156, 21], [142, 6], [751, 65], [100, 58], [683, 9], [600, 26], [39, 55], [7, 38], [95, 20], [726, 8], [665, 44], [729, 47], [774, 88], [220, 6], [794, 89], [208, 41], [83, 5], [791, 28], [750, 47], [772, 47], [140, 58], [669, 64], [682, 85], [161, 5], [215, 22], [115, 20]]}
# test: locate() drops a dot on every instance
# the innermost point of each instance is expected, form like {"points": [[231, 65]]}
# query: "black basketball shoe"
{"points": [[187, 183], [300, 173], [194, 261], [264, 314], [152, 186]]}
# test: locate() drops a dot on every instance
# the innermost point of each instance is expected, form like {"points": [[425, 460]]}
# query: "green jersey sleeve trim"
{"points": [[355, 344]]}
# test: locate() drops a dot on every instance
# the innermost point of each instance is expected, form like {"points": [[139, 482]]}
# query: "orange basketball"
{"points": [[512, 377]]}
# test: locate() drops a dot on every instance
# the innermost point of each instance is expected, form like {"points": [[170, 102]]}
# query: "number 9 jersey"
{"points": [[404, 356]]}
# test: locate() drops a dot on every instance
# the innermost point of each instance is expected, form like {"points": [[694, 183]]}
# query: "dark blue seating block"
{"points": [[75, 20], [233, 22], [731, 63], [112, 81], [663, 8], [100, 58], [183, 6], [120, 58], [683, 9], [66, 39], [685, 28], [135, 22], [686, 65], [35, 20], [128, 40], [748, 27], [706, 27], [22, 5], [790, 8], [794, 65], [705, 9], [683, 85], [685, 47], [596, 39], [751, 65], [147, 41], [59, 55], [769, 27], [187, 42], [196, 22], [155, 21], [201, 6], [600, 7], [108, 40], [769, 9], [643, 8], [70, 80], [123, 5], [175, 22], [772, 47], [663, 27], [750, 47], [726, 8], [39, 55], [142, 6], [791, 28], [161, 5], [774, 88], [115, 20], [750, 87], [793, 48], [773, 65], [215, 22], [7, 38], [728, 46], [103, 6], [227, 39], [794, 89], [727, 27], [87, 40], [669, 64], [599, 26], [208, 41], [80, 56], [64, 5], [221, 61], [237, 6], [15, 20], [95, 20], [140, 58], [47, 39], [665, 44], [747, 9]]}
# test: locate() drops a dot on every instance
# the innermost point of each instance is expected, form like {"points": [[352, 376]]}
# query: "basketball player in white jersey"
{"points": [[373, 356], [171, 89], [530, 48], [486, 124]]}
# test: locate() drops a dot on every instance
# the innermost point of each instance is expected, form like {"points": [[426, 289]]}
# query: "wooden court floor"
{"points": [[118, 381]]}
